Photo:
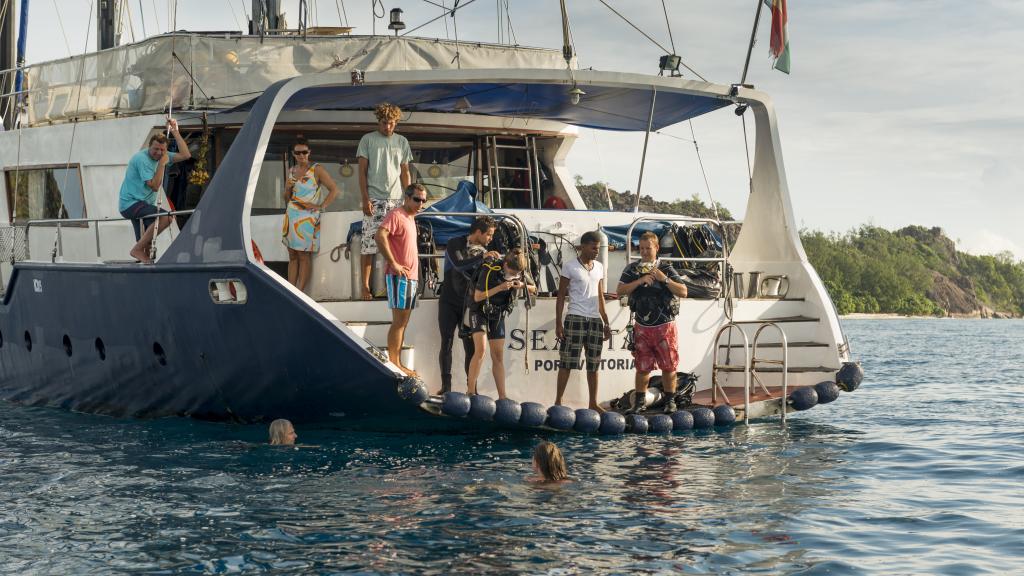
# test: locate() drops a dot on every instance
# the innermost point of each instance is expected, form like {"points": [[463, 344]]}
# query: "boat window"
{"points": [[44, 192], [440, 165]]}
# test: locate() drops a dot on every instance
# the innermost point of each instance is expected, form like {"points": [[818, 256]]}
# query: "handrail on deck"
{"points": [[671, 218], [58, 246], [524, 235]]}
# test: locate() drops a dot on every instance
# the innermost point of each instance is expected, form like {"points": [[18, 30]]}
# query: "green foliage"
{"points": [[904, 272], [871, 269]]}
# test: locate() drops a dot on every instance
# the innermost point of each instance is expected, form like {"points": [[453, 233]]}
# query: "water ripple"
{"points": [[919, 472]]}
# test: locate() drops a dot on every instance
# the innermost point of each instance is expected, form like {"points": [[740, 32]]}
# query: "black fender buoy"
{"points": [[612, 423], [481, 407], [803, 398], [561, 417], [637, 424], [532, 415], [703, 417], [724, 415], [660, 423], [827, 391], [412, 390], [507, 412], [850, 376], [682, 420], [587, 421], [455, 404]]}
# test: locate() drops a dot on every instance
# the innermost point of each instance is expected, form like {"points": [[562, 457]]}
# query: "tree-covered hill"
{"points": [[914, 270]]}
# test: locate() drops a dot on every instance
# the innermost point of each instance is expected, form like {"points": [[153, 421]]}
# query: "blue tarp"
{"points": [[445, 227], [617, 234]]}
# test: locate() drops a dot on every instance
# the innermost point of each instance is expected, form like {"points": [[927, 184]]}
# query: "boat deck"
{"points": [[735, 395]]}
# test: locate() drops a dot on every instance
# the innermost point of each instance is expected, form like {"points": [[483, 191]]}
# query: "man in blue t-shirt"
{"points": [[142, 179]]}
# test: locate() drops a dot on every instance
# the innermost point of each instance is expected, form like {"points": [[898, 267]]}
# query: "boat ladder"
{"points": [[498, 176], [751, 362]]}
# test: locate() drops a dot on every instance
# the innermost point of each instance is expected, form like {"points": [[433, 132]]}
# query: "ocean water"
{"points": [[918, 472]]}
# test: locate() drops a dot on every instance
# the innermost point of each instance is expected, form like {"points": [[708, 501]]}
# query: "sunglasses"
{"points": [[418, 200], [300, 152]]}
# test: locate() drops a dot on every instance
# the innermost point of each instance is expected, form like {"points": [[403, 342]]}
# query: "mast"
{"points": [[107, 24], [266, 16], [20, 75], [7, 62]]}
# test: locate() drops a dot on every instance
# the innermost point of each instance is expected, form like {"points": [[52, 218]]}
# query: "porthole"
{"points": [[158, 351], [101, 349], [67, 345], [28, 341]]}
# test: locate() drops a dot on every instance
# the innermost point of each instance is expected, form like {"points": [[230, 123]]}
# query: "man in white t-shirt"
{"points": [[586, 326]]}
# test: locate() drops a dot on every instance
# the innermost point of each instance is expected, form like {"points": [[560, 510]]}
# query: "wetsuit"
{"points": [[460, 262]]}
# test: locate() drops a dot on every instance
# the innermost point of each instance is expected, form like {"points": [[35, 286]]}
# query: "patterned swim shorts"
{"points": [[401, 292], [581, 333], [367, 245], [656, 347]]}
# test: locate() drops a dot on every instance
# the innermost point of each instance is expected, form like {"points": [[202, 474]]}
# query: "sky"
{"points": [[895, 113]]}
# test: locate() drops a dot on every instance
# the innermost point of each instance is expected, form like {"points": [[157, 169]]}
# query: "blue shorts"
{"points": [[401, 292], [137, 212]]}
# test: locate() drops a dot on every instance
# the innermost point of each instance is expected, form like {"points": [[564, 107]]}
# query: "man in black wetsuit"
{"points": [[462, 257]]}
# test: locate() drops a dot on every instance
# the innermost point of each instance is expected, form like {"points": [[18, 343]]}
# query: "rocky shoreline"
{"points": [[986, 314]]}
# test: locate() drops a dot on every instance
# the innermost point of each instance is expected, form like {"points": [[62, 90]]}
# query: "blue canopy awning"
{"points": [[602, 107]]}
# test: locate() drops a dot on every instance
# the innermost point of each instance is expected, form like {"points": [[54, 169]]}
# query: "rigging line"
{"points": [[714, 205], [444, 11], [74, 125], [341, 21], [156, 16], [455, 28], [142, 16], [189, 72], [455, 8], [234, 16], [511, 30], [684, 64], [659, 133], [60, 23], [669, 26], [127, 6], [244, 11]]}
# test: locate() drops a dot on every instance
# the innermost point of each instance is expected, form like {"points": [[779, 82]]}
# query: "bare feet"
{"points": [[408, 371], [140, 255], [597, 408], [366, 295]]}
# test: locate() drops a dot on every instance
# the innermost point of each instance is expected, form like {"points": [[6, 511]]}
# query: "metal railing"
{"points": [[524, 236], [59, 223], [689, 220]]}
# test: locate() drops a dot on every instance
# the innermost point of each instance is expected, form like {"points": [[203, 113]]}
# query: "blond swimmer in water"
{"points": [[549, 464]]}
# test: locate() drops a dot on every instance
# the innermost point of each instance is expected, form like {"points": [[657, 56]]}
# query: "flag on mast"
{"points": [[779, 45]]}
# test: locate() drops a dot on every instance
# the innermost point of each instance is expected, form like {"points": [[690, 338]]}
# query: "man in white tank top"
{"points": [[586, 326]]}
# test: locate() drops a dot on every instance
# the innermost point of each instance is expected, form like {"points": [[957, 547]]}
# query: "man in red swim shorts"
{"points": [[652, 287]]}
